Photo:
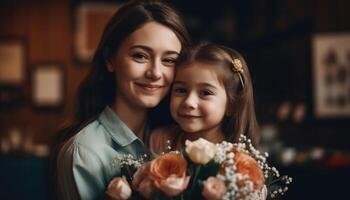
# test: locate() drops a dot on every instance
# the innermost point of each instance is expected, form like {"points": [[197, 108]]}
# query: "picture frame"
{"points": [[91, 18], [12, 62], [48, 85], [13, 71], [331, 75]]}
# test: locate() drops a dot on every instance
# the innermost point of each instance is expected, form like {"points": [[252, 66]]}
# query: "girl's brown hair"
{"points": [[240, 115]]}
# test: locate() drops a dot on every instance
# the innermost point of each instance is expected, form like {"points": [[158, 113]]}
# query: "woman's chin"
{"points": [[150, 103]]}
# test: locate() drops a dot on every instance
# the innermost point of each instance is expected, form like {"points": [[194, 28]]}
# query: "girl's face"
{"points": [[198, 98], [144, 65]]}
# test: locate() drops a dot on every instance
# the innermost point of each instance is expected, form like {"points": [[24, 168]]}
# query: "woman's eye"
{"points": [[169, 61], [140, 57]]}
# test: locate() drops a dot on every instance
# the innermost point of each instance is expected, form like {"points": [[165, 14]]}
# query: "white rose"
{"points": [[119, 189], [200, 151]]}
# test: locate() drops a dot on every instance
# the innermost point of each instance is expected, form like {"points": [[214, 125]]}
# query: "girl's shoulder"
{"points": [[162, 137]]}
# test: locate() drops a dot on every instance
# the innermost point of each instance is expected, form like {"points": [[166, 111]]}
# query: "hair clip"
{"points": [[237, 66]]}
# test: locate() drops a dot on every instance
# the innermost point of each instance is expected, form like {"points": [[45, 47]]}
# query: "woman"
{"points": [[131, 73]]}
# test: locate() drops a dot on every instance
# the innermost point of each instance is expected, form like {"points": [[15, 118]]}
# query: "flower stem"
{"points": [[194, 178]]}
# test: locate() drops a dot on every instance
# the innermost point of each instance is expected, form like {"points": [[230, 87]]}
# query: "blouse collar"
{"points": [[118, 130]]}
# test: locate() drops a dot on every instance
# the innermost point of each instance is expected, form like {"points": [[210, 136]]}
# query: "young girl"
{"points": [[212, 98]]}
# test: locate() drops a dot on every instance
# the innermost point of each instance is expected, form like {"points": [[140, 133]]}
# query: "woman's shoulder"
{"points": [[87, 139], [87, 146], [162, 137], [87, 134]]}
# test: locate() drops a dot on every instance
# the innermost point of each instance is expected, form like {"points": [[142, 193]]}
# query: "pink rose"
{"points": [[213, 189], [119, 189], [173, 185], [142, 182]]}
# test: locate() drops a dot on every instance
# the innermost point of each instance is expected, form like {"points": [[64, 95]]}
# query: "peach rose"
{"points": [[247, 165], [168, 172], [213, 189], [119, 189]]}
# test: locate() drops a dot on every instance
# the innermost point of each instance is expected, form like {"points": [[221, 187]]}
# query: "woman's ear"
{"points": [[110, 65]]}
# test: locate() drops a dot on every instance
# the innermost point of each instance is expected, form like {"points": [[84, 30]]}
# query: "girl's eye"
{"points": [[179, 90], [206, 93], [140, 57]]}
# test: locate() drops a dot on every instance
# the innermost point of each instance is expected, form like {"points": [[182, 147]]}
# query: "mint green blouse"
{"points": [[85, 164]]}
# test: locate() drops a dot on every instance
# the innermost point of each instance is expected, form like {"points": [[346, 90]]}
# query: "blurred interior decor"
{"points": [[332, 74], [47, 85], [12, 71], [91, 18]]}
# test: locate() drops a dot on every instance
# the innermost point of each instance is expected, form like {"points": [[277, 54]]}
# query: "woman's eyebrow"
{"points": [[148, 49], [141, 47]]}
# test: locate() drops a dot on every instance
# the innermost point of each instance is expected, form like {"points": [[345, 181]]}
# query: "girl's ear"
{"points": [[110, 65]]}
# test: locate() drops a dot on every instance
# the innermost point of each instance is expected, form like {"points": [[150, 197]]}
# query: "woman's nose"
{"points": [[154, 72]]}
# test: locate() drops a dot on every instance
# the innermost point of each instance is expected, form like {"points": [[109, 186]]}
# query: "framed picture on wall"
{"points": [[91, 18], [331, 75], [13, 61], [47, 85]]}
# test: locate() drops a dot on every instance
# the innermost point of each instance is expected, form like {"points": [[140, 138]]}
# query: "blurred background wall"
{"points": [[276, 37]]}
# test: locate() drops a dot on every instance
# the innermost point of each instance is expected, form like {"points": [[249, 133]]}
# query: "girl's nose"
{"points": [[154, 72], [191, 101]]}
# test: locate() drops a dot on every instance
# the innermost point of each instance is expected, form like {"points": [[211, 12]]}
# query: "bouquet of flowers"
{"points": [[202, 170]]}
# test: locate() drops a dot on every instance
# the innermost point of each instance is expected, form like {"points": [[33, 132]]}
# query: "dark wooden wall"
{"points": [[47, 27]]}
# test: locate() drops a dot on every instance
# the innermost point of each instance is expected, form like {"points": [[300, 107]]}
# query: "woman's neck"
{"points": [[134, 118]]}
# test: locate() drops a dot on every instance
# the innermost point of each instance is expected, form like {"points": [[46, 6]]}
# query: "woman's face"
{"points": [[144, 66]]}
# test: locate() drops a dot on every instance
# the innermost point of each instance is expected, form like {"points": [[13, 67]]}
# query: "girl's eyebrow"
{"points": [[148, 49], [207, 85], [204, 84]]}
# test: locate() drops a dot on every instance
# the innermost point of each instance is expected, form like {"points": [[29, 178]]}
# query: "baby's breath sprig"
{"points": [[276, 184], [129, 160], [129, 164], [225, 156]]}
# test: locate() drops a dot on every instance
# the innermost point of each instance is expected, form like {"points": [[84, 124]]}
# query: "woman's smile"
{"points": [[150, 87]]}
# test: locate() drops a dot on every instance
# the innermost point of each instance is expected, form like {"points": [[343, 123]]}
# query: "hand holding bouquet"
{"points": [[204, 170]]}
